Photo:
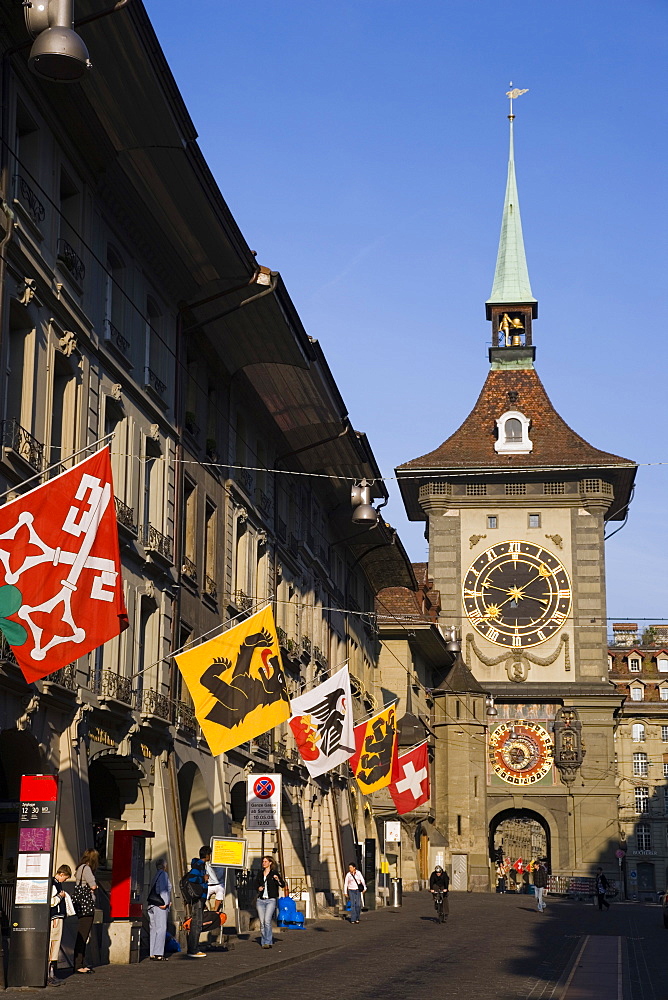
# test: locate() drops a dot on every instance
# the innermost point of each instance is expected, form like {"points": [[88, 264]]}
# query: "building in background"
{"points": [[638, 667], [133, 310]]}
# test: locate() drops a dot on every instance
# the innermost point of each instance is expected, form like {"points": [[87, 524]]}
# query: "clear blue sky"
{"points": [[362, 148]]}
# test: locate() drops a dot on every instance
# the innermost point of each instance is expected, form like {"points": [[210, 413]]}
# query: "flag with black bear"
{"points": [[375, 754], [237, 683]]}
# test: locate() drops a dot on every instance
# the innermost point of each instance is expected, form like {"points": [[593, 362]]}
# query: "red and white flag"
{"points": [[410, 787], [61, 593]]}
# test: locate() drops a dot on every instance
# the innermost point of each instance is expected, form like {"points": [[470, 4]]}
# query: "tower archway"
{"points": [[521, 833]]}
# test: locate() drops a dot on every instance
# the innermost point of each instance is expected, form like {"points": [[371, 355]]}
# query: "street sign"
{"points": [[228, 852], [633, 875], [620, 854], [263, 802]]}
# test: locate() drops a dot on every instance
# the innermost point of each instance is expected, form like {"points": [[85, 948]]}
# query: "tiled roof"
{"points": [[554, 442]]}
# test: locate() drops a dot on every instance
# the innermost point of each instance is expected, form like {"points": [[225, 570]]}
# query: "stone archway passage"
{"points": [[520, 833]]}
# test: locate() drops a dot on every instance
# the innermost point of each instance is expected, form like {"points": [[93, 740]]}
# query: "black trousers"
{"points": [[195, 927], [602, 901], [83, 932]]}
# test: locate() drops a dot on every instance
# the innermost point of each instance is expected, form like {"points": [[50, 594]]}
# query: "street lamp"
{"points": [[360, 498], [58, 53]]}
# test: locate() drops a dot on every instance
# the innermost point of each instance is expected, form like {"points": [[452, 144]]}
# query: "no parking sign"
{"points": [[263, 802]]}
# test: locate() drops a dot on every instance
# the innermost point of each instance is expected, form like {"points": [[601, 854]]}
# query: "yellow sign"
{"points": [[228, 852]]}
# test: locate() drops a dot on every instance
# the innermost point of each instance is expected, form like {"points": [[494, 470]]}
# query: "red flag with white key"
{"points": [[410, 787], [61, 592]]}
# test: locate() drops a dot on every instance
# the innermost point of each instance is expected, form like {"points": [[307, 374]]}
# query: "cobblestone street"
{"points": [[495, 947]]}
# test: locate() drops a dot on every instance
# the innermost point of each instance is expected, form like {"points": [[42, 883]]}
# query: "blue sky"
{"points": [[362, 148]]}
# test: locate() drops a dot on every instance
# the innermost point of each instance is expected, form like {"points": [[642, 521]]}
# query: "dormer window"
{"points": [[512, 431], [634, 665]]}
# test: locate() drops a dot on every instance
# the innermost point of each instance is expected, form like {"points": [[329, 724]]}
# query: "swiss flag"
{"points": [[61, 593], [410, 787], [518, 865]]}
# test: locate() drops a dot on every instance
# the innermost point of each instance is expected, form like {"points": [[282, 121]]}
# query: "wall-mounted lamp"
{"points": [[454, 645], [360, 498], [58, 53], [491, 707]]}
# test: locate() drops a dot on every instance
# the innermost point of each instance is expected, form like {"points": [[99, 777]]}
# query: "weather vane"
{"points": [[512, 95]]}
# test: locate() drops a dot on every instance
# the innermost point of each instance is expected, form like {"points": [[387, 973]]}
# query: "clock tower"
{"points": [[516, 506]]}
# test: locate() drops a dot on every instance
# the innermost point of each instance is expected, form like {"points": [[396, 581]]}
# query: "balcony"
{"points": [[319, 656], [190, 425], [29, 200], [23, 444], [66, 677], [157, 543], [125, 515], [293, 545], [71, 260], [306, 644], [189, 570], [114, 338], [6, 652], [210, 588], [155, 384], [245, 479], [284, 752], [282, 637], [154, 704], [242, 601], [262, 746], [263, 501], [184, 718], [281, 529], [112, 686]]}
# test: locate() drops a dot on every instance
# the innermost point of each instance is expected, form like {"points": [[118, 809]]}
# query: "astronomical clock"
{"points": [[520, 752]]}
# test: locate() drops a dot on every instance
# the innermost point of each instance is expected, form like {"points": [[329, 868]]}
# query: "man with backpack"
{"points": [[194, 888]]}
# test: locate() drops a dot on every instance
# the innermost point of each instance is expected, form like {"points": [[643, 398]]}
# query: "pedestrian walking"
{"points": [[268, 885], [354, 886], [198, 876], [83, 897], [59, 911], [602, 886], [161, 888], [439, 881], [540, 885]]}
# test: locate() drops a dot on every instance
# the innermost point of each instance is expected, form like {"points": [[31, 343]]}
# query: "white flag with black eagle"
{"points": [[322, 724]]}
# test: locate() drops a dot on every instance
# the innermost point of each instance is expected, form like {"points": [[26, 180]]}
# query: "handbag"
{"points": [[69, 906], [82, 899]]}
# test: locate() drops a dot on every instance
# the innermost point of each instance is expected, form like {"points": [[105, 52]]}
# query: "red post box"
{"points": [[127, 874]]}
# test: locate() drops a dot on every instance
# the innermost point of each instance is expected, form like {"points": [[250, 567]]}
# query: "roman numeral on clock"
{"points": [[493, 634]]}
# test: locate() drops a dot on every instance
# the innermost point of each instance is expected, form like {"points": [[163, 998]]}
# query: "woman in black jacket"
{"points": [[268, 885]]}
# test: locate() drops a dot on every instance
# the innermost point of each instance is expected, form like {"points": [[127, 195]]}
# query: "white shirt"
{"points": [[354, 881]]}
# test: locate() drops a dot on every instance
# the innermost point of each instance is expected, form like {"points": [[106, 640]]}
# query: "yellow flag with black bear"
{"points": [[375, 757], [237, 683]]}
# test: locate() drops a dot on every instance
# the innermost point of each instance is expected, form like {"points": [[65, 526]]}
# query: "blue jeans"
{"points": [[355, 904], [265, 911]]}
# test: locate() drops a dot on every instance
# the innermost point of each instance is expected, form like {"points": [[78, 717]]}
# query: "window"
{"points": [[534, 520], [663, 693], [642, 798], [492, 521], [640, 765], [643, 837], [634, 665], [638, 733], [665, 771], [636, 694], [114, 303], [512, 433], [662, 665], [210, 550], [665, 801], [664, 734], [513, 429]]}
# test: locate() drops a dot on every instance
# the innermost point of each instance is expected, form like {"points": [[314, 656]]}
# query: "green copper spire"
{"points": [[511, 278]]}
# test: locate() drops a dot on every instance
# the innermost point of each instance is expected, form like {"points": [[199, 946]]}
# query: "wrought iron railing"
{"points": [[184, 717], [190, 425], [23, 443], [319, 656], [282, 636], [6, 651], [66, 677], [281, 529], [245, 478], [293, 545], [155, 541], [71, 259], [151, 381], [242, 601], [306, 644], [155, 703], [262, 746], [125, 515], [285, 752], [29, 199], [189, 569], [114, 336], [109, 684], [263, 501], [210, 588]]}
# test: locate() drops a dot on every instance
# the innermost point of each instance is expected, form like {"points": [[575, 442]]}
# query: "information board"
{"points": [[263, 802], [228, 852], [29, 927]]}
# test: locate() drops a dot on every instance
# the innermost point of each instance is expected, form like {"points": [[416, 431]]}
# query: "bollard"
{"points": [[396, 892]]}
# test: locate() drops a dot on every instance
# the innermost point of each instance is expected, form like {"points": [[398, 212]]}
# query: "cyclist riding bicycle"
{"points": [[439, 883]]}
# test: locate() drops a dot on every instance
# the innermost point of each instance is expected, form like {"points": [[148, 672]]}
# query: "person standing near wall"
{"points": [[199, 877], [268, 885], [58, 914], [84, 903], [161, 888], [354, 885], [540, 884]]}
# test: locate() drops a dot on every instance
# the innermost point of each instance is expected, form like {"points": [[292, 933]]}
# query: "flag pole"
{"points": [[43, 472]]}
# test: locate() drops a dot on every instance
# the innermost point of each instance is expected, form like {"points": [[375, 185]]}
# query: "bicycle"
{"points": [[439, 898]]}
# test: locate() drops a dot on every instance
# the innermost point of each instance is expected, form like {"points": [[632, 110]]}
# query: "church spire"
{"points": [[511, 279]]}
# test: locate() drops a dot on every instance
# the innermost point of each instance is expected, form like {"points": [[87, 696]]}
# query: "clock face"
{"points": [[517, 594], [520, 752]]}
